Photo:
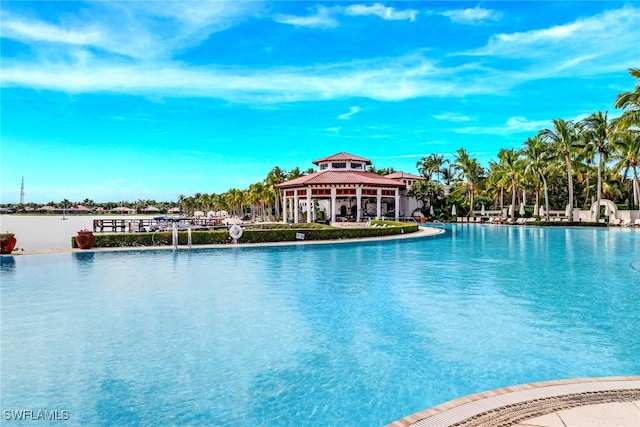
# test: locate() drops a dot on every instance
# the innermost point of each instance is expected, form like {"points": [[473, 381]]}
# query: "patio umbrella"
{"points": [[521, 209], [536, 210], [606, 211], [567, 211], [431, 210], [453, 210], [482, 211], [541, 210], [511, 210]]}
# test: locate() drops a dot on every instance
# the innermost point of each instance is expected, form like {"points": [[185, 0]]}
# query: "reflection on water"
{"points": [[7, 263], [83, 257]]}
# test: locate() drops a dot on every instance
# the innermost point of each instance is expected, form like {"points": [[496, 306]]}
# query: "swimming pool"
{"points": [[344, 334]]}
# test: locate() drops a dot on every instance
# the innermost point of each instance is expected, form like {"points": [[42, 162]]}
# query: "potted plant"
{"points": [[7, 242], [85, 239]]}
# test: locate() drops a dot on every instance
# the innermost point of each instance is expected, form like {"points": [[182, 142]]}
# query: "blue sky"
{"points": [[150, 100]]}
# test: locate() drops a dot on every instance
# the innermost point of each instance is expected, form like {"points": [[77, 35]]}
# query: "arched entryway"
{"points": [[609, 205]]}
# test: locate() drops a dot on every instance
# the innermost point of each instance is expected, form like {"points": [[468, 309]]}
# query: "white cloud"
{"points": [[386, 13], [138, 30], [325, 17], [139, 61], [516, 124], [452, 117], [322, 18], [21, 29], [472, 16], [352, 112], [592, 37]]}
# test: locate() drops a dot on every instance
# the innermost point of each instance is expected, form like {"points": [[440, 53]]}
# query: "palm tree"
{"points": [[631, 102], [276, 176], [564, 137], [510, 165], [627, 155], [538, 157], [294, 173], [599, 132], [431, 164], [497, 183], [471, 172]]}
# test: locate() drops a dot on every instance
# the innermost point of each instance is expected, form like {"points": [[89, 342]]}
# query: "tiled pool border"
{"points": [[512, 405]]}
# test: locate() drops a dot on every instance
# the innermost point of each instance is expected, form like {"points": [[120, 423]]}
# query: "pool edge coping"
{"points": [[474, 405]]}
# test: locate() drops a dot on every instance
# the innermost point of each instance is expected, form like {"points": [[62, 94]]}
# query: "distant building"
{"points": [[343, 189]]}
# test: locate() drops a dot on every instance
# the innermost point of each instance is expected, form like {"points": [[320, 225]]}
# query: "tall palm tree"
{"points": [[432, 164], [471, 172], [497, 183], [564, 137], [276, 176], [294, 173], [599, 132], [538, 156], [627, 156], [510, 165]]}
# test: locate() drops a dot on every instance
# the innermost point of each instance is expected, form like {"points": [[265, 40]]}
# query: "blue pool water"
{"points": [[344, 334]]}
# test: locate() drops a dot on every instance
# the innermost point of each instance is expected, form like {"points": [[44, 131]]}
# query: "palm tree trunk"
{"points": [[570, 179], [599, 188], [513, 199], [546, 196], [636, 188]]}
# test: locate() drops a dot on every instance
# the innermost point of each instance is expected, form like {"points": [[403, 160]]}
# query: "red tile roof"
{"points": [[333, 177], [342, 156], [401, 175]]}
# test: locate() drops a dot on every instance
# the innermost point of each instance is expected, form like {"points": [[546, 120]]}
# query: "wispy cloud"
{"points": [[138, 61], [327, 17], [139, 30], [474, 15], [322, 17], [383, 12], [352, 112], [452, 117], [586, 38], [516, 124]]}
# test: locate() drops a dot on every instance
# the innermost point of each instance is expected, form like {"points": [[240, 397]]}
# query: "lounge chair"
{"points": [[615, 221], [636, 223]]}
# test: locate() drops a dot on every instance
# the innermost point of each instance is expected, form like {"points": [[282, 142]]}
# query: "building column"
{"points": [[358, 204], [379, 204], [333, 204], [296, 206], [284, 208], [397, 204], [309, 219]]}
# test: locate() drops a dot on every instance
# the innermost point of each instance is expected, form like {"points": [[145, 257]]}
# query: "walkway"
{"points": [[591, 402]]}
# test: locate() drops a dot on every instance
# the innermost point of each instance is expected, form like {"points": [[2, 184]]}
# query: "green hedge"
{"points": [[252, 234]]}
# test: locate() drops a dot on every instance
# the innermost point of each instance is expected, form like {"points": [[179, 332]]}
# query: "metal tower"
{"points": [[22, 192]]}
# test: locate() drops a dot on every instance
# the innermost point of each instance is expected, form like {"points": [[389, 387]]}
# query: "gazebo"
{"points": [[342, 186]]}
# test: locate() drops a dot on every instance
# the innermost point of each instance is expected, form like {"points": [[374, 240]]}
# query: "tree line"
{"points": [[595, 158]]}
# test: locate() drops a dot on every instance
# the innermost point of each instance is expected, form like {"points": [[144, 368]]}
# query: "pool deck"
{"points": [[422, 232], [586, 402]]}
